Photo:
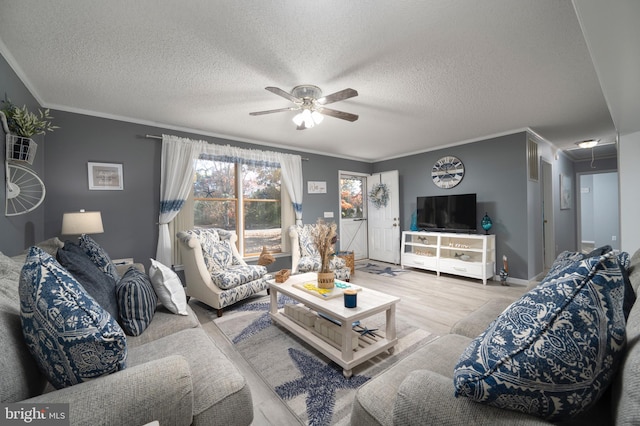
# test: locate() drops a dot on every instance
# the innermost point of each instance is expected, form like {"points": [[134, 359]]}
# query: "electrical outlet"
{"points": [[614, 238], [328, 215]]}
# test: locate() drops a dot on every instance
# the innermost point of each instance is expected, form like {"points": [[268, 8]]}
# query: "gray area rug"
{"points": [[380, 269], [309, 383]]}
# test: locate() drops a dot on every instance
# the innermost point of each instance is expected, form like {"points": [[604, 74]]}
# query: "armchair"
{"points": [[305, 256], [215, 273]]}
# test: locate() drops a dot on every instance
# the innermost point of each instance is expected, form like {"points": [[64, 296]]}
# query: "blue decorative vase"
{"points": [[486, 223], [414, 221]]}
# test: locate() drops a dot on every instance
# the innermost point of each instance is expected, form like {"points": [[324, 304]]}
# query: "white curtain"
{"points": [[176, 180], [290, 164]]}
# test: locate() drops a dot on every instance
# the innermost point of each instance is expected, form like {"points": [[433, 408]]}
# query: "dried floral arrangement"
{"points": [[324, 236]]}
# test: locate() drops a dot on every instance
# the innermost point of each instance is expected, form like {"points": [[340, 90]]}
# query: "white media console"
{"points": [[469, 255]]}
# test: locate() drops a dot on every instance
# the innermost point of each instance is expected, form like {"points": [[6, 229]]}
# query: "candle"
{"points": [[350, 298]]}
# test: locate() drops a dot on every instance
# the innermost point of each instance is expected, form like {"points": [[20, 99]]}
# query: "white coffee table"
{"points": [[370, 302]]}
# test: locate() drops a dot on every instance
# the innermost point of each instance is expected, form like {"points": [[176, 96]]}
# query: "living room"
{"points": [[511, 198], [496, 170]]}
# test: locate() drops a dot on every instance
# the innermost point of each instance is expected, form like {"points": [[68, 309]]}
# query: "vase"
{"points": [[414, 221], [486, 223], [326, 279]]}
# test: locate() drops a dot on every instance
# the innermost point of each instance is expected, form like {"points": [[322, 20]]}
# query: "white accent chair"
{"points": [[305, 257], [215, 273]]}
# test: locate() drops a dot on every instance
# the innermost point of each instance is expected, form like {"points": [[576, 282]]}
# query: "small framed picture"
{"points": [[105, 177], [316, 187]]}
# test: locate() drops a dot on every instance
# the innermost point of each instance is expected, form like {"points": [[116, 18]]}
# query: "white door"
{"points": [[549, 245], [353, 214], [384, 220]]}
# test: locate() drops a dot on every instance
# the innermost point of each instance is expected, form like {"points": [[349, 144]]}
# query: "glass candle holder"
{"points": [[350, 298]]}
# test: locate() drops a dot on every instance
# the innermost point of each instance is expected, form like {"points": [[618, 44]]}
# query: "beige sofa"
{"points": [[419, 390], [175, 373]]}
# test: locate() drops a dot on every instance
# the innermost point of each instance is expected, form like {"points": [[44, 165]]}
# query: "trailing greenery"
{"points": [[24, 123]]}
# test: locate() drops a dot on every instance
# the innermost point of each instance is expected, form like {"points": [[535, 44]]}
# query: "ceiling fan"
{"points": [[309, 101]]}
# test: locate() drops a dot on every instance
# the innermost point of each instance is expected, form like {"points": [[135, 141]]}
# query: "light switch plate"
{"points": [[328, 214]]}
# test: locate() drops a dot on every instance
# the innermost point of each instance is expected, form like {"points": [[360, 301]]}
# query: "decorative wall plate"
{"points": [[447, 172]]}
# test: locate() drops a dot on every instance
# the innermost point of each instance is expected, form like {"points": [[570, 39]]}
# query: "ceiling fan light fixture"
{"points": [[588, 144], [308, 119], [309, 103], [317, 117]]}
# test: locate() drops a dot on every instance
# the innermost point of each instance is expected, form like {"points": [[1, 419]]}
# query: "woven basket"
{"points": [[326, 279], [348, 260], [282, 275]]}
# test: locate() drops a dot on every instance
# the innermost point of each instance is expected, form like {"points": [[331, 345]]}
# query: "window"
{"points": [[351, 199], [255, 215]]}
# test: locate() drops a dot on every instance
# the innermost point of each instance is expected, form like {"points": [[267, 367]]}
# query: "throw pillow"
{"points": [[137, 301], [629, 293], [306, 241], [71, 337], [168, 287], [554, 352], [216, 251], [99, 285], [99, 256]]}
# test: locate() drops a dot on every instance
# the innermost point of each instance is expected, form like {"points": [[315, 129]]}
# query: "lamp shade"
{"points": [[82, 222]]}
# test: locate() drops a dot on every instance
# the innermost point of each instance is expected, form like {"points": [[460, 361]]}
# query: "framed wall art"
{"points": [[105, 177], [316, 187]]}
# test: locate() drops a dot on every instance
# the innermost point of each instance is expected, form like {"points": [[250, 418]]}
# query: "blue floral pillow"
{"points": [[307, 242], [216, 248], [71, 337], [99, 256], [554, 352], [137, 301]]}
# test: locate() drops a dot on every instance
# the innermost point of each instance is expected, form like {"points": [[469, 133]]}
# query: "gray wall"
{"points": [[320, 168], [19, 232], [495, 170], [130, 216]]}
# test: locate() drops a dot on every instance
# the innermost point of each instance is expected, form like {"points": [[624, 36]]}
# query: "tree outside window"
{"points": [[351, 199], [257, 219]]}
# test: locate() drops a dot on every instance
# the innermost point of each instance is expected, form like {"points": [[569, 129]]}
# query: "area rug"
{"points": [[380, 269], [311, 385]]}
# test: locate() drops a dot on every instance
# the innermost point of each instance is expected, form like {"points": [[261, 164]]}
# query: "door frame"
{"points": [[548, 209]]}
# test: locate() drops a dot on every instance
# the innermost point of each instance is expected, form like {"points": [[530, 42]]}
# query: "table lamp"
{"points": [[82, 222]]}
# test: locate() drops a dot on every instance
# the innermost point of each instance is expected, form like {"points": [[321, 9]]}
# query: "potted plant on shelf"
{"points": [[23, 125], [324, 236]]}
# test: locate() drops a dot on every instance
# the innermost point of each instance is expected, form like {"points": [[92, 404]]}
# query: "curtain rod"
{"points": [[160, 137]]}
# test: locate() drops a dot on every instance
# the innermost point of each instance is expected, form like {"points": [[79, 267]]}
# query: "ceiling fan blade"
{"points": [[338, 114], [338, 96], [271, 111], [284, 94]]}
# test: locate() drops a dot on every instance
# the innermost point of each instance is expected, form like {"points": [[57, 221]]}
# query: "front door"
{"points": [[384, 217]]}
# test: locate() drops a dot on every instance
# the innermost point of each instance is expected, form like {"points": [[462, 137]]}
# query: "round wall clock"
{"points": [[447, 172]]}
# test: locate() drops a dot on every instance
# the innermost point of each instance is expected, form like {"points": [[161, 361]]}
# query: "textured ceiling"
{"points": [[429, 73]]}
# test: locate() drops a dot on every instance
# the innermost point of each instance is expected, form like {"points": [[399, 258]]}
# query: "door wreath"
{"points": [[379, 195]]}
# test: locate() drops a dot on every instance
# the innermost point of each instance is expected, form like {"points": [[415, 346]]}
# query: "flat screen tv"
{"points": [[447, 213]]}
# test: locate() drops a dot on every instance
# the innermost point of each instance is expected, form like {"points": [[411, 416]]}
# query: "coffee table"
{"points": [[370, 302]]}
